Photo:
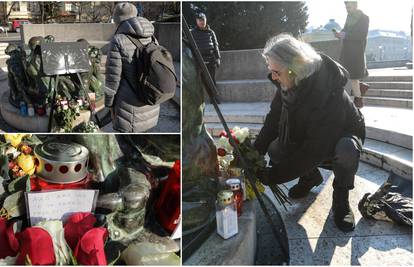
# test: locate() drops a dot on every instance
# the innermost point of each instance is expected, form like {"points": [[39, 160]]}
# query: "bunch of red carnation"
{"points": [[35, 245]]}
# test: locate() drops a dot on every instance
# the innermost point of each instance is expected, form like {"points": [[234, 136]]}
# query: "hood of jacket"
{"points": [[138, 27]]}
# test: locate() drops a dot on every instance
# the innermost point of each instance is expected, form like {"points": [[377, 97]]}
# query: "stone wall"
{"points": [[69, 32], [168, 35], [99, 34], [250, 65]]}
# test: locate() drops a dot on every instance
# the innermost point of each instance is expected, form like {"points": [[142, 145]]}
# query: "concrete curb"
{"points": [[238, 250]]}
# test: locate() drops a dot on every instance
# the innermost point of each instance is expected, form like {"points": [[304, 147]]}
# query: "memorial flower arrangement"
{"points": [[81, 238], [68, 109], [256, 162], [21, 160], [77, 242]]}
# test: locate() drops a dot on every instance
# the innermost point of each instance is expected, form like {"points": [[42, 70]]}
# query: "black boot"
{"points": [[305, 184], [343, 215]]}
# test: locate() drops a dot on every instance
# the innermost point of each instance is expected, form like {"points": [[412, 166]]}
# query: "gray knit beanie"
{"points": [[124, 11]]}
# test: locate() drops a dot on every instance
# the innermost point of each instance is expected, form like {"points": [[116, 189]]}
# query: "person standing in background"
{"points": [[354, 40], [207, 43]]}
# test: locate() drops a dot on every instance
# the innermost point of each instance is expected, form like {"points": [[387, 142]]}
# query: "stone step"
{"points": [[389, 157], [390, 93], [388, 102], [382, 135], [391, 85], [389, 137], [380, 78], [388, 122]]}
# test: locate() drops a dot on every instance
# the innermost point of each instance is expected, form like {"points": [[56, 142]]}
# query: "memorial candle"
{"points": [[226, 214]]}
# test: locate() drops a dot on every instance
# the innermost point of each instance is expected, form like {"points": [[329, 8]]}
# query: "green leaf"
{"points": [[18, 184], [72, 258], [27, 260]]}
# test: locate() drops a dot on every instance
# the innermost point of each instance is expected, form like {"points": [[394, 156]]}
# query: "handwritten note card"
{"points": [[58, 205]]}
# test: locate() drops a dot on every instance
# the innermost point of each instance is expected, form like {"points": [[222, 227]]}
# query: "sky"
{"points": [[383, 14]]}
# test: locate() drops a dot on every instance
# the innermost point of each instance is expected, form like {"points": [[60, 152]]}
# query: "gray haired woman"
{"points": [[312, 123]]}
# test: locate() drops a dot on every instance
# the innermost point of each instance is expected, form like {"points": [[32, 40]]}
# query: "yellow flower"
{"points": [[249, 189], [27, 163], [15, 139]]}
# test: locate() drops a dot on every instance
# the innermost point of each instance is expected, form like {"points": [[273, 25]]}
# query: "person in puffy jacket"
{"points": [[312, 123], [206, 41], [129, 114]]}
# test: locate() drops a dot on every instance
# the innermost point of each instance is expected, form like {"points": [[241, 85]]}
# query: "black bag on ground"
{"points": [[391, 202], [157, 78]]}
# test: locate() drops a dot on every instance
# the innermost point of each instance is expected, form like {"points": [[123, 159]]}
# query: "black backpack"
{"points": [[156, 74]]}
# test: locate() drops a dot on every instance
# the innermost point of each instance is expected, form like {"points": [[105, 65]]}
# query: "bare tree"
{"points": [[7, 12]]}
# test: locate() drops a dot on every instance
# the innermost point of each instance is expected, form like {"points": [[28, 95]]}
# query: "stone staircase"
{"points": [[389, 91], [245, 103]]}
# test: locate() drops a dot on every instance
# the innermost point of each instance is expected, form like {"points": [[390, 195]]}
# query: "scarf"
{"points": [[288, 99]]}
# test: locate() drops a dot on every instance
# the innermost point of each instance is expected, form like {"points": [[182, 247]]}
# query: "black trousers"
{"points": [[211, 66], [344, 162]]}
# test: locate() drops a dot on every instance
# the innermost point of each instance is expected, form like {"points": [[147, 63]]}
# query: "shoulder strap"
{"points": [[135, 41]]}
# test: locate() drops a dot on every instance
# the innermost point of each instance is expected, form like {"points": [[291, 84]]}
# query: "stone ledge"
{"points": [[388, 102], [37, 124], [384, 124], [238, 250], [389, 137], [388, 157], [391, 85]]}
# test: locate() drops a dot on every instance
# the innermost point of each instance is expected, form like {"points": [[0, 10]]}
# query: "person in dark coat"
{"points": [[312, 123], [129, 114], [354, 40], [207, 43]]}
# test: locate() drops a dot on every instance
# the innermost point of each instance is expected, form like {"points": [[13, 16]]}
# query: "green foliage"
{"points": [[256, 162], [248, 25], [64, 118]]}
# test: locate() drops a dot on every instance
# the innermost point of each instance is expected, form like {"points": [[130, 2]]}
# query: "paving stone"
{"points": [[315, 240], [393, 250]]}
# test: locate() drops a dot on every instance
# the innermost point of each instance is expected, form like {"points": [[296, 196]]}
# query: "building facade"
{"points": [[388, 45]]}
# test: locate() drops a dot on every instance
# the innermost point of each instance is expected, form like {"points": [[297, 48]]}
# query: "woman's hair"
{"points": [[297, 56]]}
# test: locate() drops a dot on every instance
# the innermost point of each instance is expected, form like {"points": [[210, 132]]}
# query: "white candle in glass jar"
{"points": [[226, 214]]}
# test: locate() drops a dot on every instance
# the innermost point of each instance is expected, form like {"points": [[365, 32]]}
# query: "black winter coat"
{"points": [[353, 46], [321, 114], [207, 43]]}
